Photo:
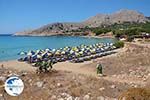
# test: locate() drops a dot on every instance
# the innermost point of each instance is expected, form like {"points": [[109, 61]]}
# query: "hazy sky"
{"points": [[19, 15]]}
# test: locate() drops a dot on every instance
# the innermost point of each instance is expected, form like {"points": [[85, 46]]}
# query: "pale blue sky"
{"points": [[19, 15]]}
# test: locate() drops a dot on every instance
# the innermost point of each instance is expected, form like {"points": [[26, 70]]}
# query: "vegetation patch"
{"points": [[119, 44]]}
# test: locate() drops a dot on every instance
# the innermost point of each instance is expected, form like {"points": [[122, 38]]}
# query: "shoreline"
{"points": [[107, 35], [24, 66]]}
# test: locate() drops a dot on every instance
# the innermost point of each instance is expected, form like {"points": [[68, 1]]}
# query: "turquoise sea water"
{"points": [[10, 46]]}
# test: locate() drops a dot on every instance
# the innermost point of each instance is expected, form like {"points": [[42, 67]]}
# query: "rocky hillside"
{"points": [[117, 17], [54, 29], [95, 21]]}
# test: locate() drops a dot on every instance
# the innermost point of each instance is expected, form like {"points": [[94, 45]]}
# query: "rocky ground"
{"points": [[63, 85], [127, 69]]}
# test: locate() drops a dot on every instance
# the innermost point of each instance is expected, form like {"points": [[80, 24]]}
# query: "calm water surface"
{"points": [[10, 46]]}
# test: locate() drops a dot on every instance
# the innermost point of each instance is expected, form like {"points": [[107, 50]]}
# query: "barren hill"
{"points": [[95, 21]]}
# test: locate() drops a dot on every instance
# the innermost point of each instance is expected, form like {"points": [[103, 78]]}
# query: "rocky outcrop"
{"points": [[117, 17], [55, 29], [96, 21]]}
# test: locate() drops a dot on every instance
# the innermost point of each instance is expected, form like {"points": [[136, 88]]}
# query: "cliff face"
{"points": [[95, 21]]}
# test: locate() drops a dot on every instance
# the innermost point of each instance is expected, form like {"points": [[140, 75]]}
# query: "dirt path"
{"points": [[77, 68], [20, 66], [83, 68]]}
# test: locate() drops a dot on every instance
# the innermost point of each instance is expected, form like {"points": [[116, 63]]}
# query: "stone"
{"points": [[1, 97], [132, 73], [113, 86], [139, 76], [135, 86], [73, 77], [86, 97], [124, 98], [70, 98], [100, 98], [114, 75], [102, 88], [2, 78], [131, 83], [100, 75], [76, 98], [2, 66], [59, 85], [64, 94], [53, 97], [9, 72], [30, 80], [144, 79], [24, 74], [39, 84], [60, 99], [114, 99]]}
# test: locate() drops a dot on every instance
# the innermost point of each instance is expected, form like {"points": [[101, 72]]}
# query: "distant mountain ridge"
{"points": [[95, 21]]}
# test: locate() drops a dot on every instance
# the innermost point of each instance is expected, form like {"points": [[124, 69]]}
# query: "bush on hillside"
{"points": [[119, 44]]}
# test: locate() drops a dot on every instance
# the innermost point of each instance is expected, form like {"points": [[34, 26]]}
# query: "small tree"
{"points": [[44, 66]]}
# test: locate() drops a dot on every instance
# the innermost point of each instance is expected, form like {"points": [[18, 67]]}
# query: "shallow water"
{"points": [[10, 46]]}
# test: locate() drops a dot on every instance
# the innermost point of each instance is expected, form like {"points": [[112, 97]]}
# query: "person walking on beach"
{"points": [[99, 69]]}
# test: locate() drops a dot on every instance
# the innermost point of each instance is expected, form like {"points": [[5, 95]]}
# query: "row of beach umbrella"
{"points": [[66, 53]]}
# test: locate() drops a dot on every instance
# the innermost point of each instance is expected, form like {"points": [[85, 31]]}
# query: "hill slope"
{"points": [[95, 21]]}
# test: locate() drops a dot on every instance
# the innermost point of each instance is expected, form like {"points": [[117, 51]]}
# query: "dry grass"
{"points": [[1, 83], [136, 94], [76, 91]]}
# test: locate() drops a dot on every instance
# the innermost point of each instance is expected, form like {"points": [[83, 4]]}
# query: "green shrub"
{"points": [[130, 38], [119, 44]]}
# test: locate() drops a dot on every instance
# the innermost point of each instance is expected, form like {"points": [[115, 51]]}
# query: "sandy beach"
{"points": [[128, 67]]}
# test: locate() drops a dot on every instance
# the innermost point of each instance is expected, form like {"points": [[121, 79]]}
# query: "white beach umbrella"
{"points": [[38, 56], [22, 53], [71, 51], [53, 50], [29, 54], [47, 50], [63, 52]]}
